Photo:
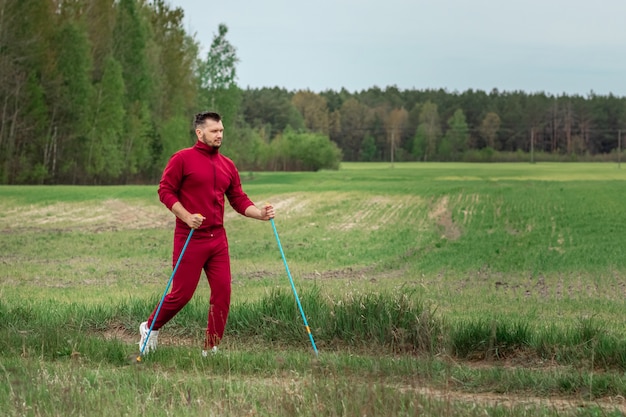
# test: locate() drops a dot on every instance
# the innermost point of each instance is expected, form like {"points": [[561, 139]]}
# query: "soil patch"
{"points": [[109, 215]]}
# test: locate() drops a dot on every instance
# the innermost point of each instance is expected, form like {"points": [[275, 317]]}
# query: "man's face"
{"points": [[211, 133]]}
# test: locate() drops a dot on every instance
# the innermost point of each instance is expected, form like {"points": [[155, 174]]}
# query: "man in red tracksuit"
{"points": [[193, 187]]}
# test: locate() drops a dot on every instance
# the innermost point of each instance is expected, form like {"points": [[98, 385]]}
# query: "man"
{"points": [[193, 187]]}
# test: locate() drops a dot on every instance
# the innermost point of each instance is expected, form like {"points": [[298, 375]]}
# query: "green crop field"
{"points": [[430, 288]]}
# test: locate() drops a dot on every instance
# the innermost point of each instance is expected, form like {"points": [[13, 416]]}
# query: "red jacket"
{"points": [[199, 177]]}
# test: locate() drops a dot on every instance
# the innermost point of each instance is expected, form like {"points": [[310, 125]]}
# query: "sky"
{"points": [[571, 47]]}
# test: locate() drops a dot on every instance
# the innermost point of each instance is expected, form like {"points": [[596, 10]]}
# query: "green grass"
{"points": [[410, 276], [201, 388]]}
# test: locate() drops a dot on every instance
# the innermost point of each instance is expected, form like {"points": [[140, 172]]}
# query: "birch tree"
{"points": [[428, 133], [218, 78]]}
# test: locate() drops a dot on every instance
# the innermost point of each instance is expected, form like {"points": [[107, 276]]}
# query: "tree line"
{"points": [[104, 92]]}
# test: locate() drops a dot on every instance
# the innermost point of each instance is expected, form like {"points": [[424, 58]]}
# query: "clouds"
{"points": [[555, 46]]}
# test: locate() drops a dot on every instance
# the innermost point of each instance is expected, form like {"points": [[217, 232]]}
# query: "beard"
{"points": [[213, 145]]}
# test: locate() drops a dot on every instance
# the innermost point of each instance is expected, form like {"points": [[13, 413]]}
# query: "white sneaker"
{"points": [[213, 351], [152, 340]]}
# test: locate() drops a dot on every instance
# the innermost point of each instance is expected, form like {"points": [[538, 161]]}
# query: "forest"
{"points": [[104, 92]]}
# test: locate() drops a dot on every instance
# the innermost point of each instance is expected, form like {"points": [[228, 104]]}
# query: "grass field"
{"points": [[431, 289]]}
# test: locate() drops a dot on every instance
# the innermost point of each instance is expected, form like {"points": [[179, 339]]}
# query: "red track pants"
{"points": [[208, 251]]}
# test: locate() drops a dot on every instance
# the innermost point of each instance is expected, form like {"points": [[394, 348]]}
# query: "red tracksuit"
{"points": [[199, 178]]}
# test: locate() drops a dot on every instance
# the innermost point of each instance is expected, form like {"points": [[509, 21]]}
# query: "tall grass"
{"points": [[382, 323]]}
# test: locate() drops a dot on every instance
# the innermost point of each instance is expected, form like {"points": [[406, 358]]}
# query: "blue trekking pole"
{"points": [[182, 252], [293, 287]]}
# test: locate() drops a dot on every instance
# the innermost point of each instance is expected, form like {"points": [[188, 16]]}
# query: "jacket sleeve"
{"points": [[171, 181], [237, 198]]}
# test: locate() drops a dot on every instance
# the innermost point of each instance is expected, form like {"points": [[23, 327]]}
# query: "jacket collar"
{"points": [[203, 147]]}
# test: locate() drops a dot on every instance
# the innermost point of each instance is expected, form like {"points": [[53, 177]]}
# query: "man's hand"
{"points": [[267, 212], [195, 220]]}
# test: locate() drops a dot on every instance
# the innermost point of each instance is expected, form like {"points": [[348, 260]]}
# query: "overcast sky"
{"points": [[554, 46]]}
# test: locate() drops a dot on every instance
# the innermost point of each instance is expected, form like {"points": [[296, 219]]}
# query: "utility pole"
{"points": [[532, 145], [619, 149], [393, 144]]}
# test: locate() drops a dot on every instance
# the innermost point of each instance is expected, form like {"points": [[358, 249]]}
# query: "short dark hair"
{"points": [[201, 117]]}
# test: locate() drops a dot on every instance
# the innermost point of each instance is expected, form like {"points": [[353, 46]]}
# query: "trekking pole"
{"points": [[182, 252], [293, 287]]}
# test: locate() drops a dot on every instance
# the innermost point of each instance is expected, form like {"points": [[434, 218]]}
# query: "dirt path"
{"points": [[516, 400]]}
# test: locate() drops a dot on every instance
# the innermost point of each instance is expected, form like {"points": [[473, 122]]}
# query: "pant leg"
{"points": [[185, 280], [217, 269]]}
